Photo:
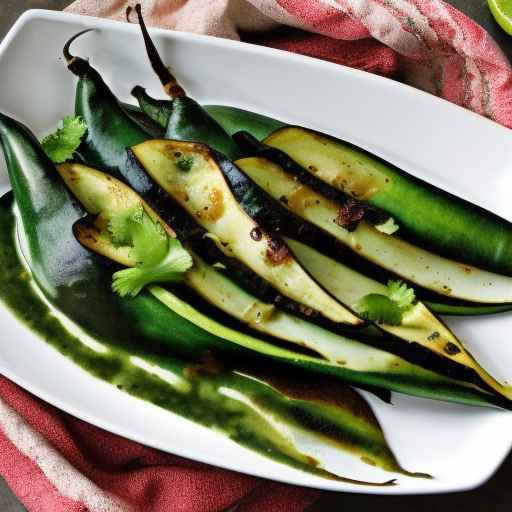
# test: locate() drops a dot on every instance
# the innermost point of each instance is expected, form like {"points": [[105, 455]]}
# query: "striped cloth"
{"points": [[426, 43], [56, 463]]}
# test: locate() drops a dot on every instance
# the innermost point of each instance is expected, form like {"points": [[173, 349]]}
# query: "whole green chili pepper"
{"points": [[231, 119], [239, 401], [185, 119]]}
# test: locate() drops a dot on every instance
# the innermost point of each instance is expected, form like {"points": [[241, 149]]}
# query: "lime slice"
{"points": [[502, 12]]}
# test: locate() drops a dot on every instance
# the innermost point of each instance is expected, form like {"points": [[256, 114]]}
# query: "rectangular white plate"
{"points": [[433, 139]]}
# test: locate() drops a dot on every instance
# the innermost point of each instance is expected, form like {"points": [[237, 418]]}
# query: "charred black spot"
{"points": [[350, 214], [256, 234], [277, 250], [451, 349]]}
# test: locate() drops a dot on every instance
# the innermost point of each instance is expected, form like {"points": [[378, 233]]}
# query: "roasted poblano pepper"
{"points": [[272, 413], [187, 120], [78, 283], [102, 136], [447, 279], [434, 218], [184, 119]]}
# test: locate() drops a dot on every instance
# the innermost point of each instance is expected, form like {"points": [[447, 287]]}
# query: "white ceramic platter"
{"points": [[433, 139]]}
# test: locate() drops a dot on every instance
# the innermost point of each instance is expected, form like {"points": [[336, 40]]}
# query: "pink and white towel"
{"points": [[56, 463], [426, 43]]}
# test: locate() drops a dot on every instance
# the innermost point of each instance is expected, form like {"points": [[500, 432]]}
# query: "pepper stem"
{"points": [[67, 54], [171, 86]]}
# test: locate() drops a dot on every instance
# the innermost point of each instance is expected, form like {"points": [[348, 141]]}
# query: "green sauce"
{"points": [[206, 397]]}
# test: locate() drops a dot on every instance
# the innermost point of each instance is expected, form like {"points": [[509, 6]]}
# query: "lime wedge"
{"points": [[502, 12]]}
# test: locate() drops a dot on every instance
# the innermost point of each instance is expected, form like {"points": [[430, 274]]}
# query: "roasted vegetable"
{"points": [[101, 112], [416, 265], [231, 119], [436, 219], [271, 413], [417, 326], [79, 285], [202, 190], [71, 277], [111, 203], [187, 120], [344, 358]]}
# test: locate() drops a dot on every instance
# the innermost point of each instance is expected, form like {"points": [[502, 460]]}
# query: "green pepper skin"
{"points": [[426, 215], [231, 119], [101, 111], [446, 223], [235, 119], [78, 283], [185, 119], [69, 275], [466, 309], [143, 120], [189, 121]]}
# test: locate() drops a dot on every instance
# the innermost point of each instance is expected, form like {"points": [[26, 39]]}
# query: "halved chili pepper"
{"points": [[78, 283]]}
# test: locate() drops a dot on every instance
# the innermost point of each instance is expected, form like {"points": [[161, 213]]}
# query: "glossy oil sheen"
{"points": [[197, 396]]}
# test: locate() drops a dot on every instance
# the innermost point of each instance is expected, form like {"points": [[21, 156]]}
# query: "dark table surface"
{"points": [[494, 496]]}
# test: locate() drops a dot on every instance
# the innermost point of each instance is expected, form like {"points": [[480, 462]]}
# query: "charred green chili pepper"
{"points": [[71, 277], [99, 108], [185, 119], [231, 119], [78, 283], [244, 403], [426, 214], [439, 303]]}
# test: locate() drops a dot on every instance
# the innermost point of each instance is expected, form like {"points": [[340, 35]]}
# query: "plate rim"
{"points": [[118, 429]]}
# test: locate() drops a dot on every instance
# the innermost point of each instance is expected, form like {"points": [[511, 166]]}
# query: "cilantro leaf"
{"points": [[130, 281], [61, 144], [379, 309], [160, 258], [119, 225], [399, 293], [389, 308]]}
